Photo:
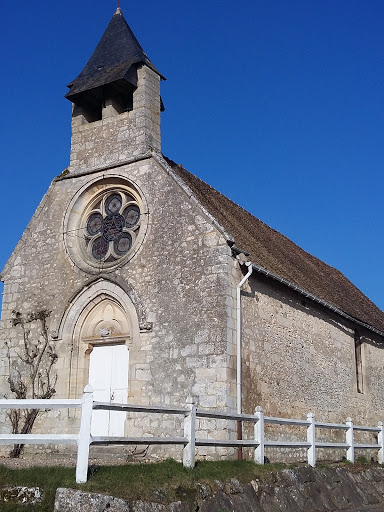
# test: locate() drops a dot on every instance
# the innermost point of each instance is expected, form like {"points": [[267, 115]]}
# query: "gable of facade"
{"points": [[173, 276]]}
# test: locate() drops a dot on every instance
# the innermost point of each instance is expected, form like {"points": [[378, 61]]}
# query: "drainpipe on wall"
{"points": [[239, 354]]}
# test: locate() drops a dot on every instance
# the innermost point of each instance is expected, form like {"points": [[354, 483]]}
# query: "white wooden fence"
{"points": [[189, 441]]}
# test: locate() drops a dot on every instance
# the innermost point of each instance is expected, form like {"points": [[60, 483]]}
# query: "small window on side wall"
{"points": [[359, 363]]}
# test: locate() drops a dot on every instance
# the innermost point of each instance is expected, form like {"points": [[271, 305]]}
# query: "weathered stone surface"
{"points": [[179, 506], [160, 290], [233, 486], [21, 495], [204, 492], [69, 500], [370, 485], [298, 490], [291, 367], [145, 506], [219, 502], [345, 493]]}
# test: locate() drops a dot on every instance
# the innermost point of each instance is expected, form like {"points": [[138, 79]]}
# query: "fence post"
{"points": [[190, 433], [259, 435], [311, 438], [380, 442], [350, 441], [84, 436]]}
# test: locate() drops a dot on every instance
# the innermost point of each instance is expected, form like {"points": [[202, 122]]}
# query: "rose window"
{"points": [[112, 226]]}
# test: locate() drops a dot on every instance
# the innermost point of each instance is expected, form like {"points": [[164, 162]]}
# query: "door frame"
{"points": [[78, 348]]}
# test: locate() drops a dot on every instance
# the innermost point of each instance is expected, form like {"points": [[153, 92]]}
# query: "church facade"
{"points": [[140, 265]]}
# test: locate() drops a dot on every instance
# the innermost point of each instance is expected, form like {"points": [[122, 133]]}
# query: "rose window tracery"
{"points": [[112, 226], [105, 224]]}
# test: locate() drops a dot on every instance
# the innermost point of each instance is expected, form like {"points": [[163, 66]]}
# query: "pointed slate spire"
{"points": [[112, 61]]}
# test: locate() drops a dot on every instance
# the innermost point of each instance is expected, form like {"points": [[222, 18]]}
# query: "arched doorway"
{"points": [[102, 333], [106, 330]]}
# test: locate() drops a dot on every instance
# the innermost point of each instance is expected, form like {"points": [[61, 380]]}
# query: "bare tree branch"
{"points": [[31, 373]]}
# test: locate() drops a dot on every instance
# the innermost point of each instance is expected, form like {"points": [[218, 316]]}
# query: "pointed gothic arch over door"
{"points": [[107, 331], [102, 328]]}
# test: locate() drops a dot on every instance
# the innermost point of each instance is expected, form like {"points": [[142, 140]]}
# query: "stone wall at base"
{"points": [[291, 490]]}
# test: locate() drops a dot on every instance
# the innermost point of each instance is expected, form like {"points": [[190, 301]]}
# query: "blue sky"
{"points": [[278, 104]]}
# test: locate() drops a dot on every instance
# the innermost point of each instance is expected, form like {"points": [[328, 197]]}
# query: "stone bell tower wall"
{"points": [[118, 137]]}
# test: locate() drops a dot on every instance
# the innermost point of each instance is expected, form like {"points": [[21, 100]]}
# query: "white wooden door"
{"points": [[108, 375]]}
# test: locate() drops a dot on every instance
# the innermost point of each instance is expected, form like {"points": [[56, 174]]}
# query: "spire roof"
{"points": [[118, 50]]}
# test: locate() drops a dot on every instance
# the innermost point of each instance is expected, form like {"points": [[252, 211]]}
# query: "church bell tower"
{"points": [[116, 103]]}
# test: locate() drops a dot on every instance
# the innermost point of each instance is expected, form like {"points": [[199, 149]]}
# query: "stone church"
{"points": [[160, 288]]}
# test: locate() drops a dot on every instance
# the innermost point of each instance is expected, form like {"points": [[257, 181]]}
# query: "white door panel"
{"points": [[119, 388], [119, 378], [108, 375], [100, 362]]}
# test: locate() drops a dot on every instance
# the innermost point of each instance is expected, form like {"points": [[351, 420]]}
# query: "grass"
{"points": [[362, 460], [46, 478], [163, 482]]}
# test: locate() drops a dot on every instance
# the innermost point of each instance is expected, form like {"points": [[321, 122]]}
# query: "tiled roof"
{"points": [[276, 253]]}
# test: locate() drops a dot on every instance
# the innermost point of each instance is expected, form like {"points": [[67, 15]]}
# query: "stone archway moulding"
{"points": [[122, 292]]}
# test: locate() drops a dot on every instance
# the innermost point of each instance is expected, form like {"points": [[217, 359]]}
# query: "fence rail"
{"points": [[189, 441]]}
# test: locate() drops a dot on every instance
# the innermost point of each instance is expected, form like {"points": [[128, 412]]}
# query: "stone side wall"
{"points": [[117, 137], [181, 274], [299, 357]]}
